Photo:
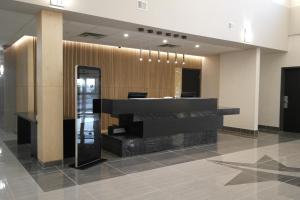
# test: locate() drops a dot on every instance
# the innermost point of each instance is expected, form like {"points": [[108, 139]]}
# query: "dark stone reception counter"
{"points": [[151, 125]]}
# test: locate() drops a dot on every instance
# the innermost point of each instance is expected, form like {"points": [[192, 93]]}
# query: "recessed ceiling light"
{"points": [[165, 41], [141, 29], [197, 46], [126, 35]]}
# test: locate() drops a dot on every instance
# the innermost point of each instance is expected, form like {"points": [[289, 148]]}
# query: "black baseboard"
{"points": [[240, 131], [271, 129], [51, 163]]}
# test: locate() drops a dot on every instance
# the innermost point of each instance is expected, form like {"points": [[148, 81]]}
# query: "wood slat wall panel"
{"points": [[122, 72]]}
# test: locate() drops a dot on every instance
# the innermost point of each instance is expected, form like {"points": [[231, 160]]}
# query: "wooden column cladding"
{"points": [[122, 72]]}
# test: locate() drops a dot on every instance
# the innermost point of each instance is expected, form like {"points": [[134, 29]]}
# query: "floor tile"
{"points": [[72, 193], [35, 168], [169, 158], [266, 167], [95, 173], [198, 153], [134, 164], [53, 181], [5, 193], [281, 191], [23, 187]]}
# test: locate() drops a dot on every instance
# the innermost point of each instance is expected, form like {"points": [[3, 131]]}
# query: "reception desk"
{"points": [[153, 125]]}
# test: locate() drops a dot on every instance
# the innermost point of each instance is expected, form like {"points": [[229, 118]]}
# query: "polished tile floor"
{"points": [[267, 167]]}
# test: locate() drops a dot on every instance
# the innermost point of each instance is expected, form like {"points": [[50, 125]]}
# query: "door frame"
{"points": [[282, 91], [200, 78]]}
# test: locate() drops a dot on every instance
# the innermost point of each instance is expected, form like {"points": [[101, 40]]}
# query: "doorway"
{"points": [[290, 99], [191, 82]]}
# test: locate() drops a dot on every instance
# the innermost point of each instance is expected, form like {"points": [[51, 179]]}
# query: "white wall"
{"points": [[267, 19], [271, 64], [294, 27], [239, 87], [210, 77]]}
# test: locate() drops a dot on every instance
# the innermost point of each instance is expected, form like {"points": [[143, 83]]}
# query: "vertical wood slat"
{"points": [[122, 72]]}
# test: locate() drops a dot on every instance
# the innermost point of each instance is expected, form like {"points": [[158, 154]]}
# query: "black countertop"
{"points": [[161, 106]]}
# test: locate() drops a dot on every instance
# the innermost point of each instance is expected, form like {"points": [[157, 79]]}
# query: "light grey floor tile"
{"points": [[5, 193], [134, 164], [72, 193], [281, 191], [198, 153], [23, 187], [169, 158]]}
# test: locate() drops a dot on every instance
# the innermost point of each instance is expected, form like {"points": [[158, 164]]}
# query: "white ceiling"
{"points": [[139, 40], [20, 20], [14, 25]]}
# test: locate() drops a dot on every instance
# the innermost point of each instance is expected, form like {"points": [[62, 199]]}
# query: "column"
{"points": [[50, 86], [239, 87]]}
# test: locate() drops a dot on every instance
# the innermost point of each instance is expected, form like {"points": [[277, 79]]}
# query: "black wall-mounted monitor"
{"points": [[133, 95]]}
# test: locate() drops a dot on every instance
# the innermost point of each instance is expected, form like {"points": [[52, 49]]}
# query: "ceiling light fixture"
{"points": [[57, 3], [197, 46], [150, 59], [141, 56], [168, 56], [183, 59], [158, 56], [165, 41], [1, 70], [176, 59], [126, 35]]}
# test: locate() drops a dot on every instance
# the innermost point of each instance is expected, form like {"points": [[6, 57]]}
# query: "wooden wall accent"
{"points": [[121, 72], [24, 52]]}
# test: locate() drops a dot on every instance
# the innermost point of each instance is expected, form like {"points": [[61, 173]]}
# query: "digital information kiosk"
{"points": [[88, 130]]}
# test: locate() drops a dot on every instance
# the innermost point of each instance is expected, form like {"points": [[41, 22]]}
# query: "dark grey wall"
{"points": [[8, 94]]}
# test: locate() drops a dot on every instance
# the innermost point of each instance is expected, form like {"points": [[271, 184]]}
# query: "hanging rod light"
{"points": [[176, 61], [150, 58], [141, 55], [158, 56], [168, 58]]}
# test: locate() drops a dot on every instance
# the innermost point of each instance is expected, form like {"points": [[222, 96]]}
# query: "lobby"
{"points": [[144, 99]]}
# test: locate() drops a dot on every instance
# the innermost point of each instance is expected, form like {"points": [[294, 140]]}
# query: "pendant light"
{"points": [[158, 56], [183, 59], [141, 56], [176, 59], [168, 58], [150, 59]]}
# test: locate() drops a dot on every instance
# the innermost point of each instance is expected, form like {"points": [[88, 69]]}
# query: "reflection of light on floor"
{"points": [[2, 185], [0, 151]]}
